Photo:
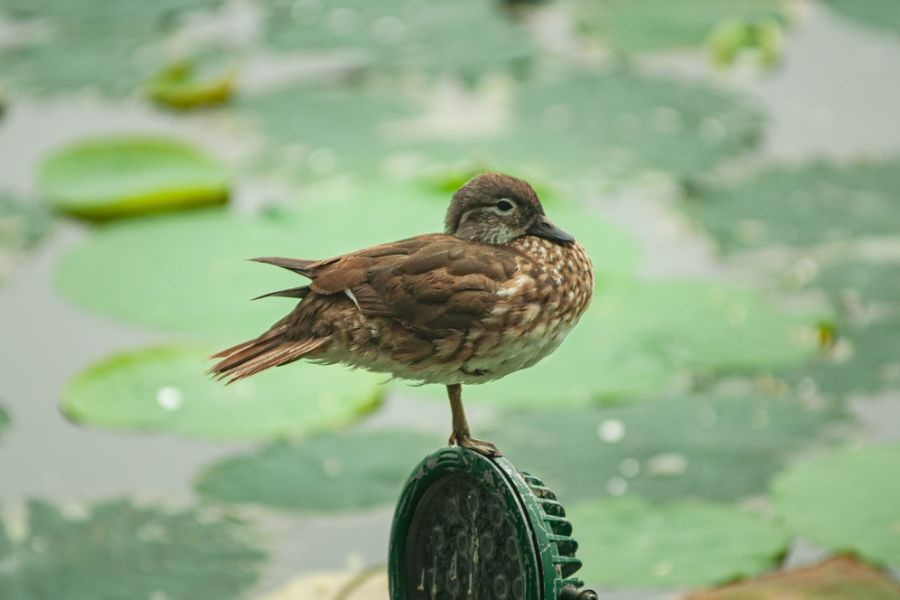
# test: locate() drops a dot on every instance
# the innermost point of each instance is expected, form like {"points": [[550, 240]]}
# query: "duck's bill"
{"points": [[545, 228]]}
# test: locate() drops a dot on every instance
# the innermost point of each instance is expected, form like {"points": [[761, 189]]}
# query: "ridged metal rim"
{"points": [[538, 517]]}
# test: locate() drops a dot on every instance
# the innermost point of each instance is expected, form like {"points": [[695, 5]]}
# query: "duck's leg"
{"points": [[460, 435]]}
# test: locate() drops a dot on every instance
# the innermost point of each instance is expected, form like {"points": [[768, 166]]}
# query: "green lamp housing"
{"points": [[471, 527]]}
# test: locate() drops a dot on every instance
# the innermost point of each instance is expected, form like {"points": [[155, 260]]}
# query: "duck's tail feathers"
{"points": [[259, 354], [297, 292], [297, 265]]}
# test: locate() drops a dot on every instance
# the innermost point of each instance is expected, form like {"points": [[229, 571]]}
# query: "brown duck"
{"points": [[495, 293]]}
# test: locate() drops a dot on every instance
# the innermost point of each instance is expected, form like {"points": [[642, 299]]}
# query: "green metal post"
{"points": [[472, 527]]}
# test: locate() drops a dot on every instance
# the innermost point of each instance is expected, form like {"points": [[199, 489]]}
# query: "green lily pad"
{"points": [[870, 282], [4, 419], [92, 43], [122, 176], [615, 124], [834, 579], [709, 325], [761, 40], [628, 542], [846, 501], [166, 389], [867, 360], [205, 290], [323, 473], [80, 58], [802, 206], [712, 447], [637, 338], [119, 550], [303, 118], [465, 37], [22, 226], [655, 25], [878, 14], [179, 86]]}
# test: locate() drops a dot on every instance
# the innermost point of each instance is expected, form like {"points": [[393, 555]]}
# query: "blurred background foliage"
{"points": [[727, 412]]}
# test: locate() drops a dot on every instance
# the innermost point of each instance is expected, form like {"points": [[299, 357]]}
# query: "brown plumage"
{"points": [[495, 293]]}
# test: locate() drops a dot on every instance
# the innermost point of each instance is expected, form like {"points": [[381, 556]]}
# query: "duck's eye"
{"points": [[505, 205]]}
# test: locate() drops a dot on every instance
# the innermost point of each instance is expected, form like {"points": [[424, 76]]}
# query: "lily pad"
{"points": [[878, 14], [801, 206], [165, 389], [371, 584], [834, 579], [710, 325], [325, 130], [869, 282], [846, 501], [629, 542], [615, 124], [91, 44], [323, 473], [179, 86], [866, 360], [205, 290], [712, 447], [464, 37], [639, 337], [655, 25], [4, 419], [120, 550], [759, 40], [122, 176], [22, 226]]}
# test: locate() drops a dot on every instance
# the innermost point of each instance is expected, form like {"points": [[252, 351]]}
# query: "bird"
{"points": [[495, 293]]}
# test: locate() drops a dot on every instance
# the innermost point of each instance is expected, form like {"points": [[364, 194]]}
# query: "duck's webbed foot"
{"points": [[464, 440]]}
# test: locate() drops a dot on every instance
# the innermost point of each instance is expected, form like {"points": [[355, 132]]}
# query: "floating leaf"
{"points": [[846, 501], [205, 290], [615, 124], [638, 337], [465, 37], [4, 419], [834, 579], [119, 550], [206, 283], [878, 14], [22, 226], [801, 206], [654, 25], [92, 43], [714, 446], [865, 360], [346, 585], [79, 58], [116, 177], [762, 40], [166, 389], [628, 542], [326, 130], [708, 325], [180, 86], [323, 473], [869, 282]]}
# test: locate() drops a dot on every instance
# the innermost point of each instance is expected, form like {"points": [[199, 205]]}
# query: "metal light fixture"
{"points": [[469, 527]]}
